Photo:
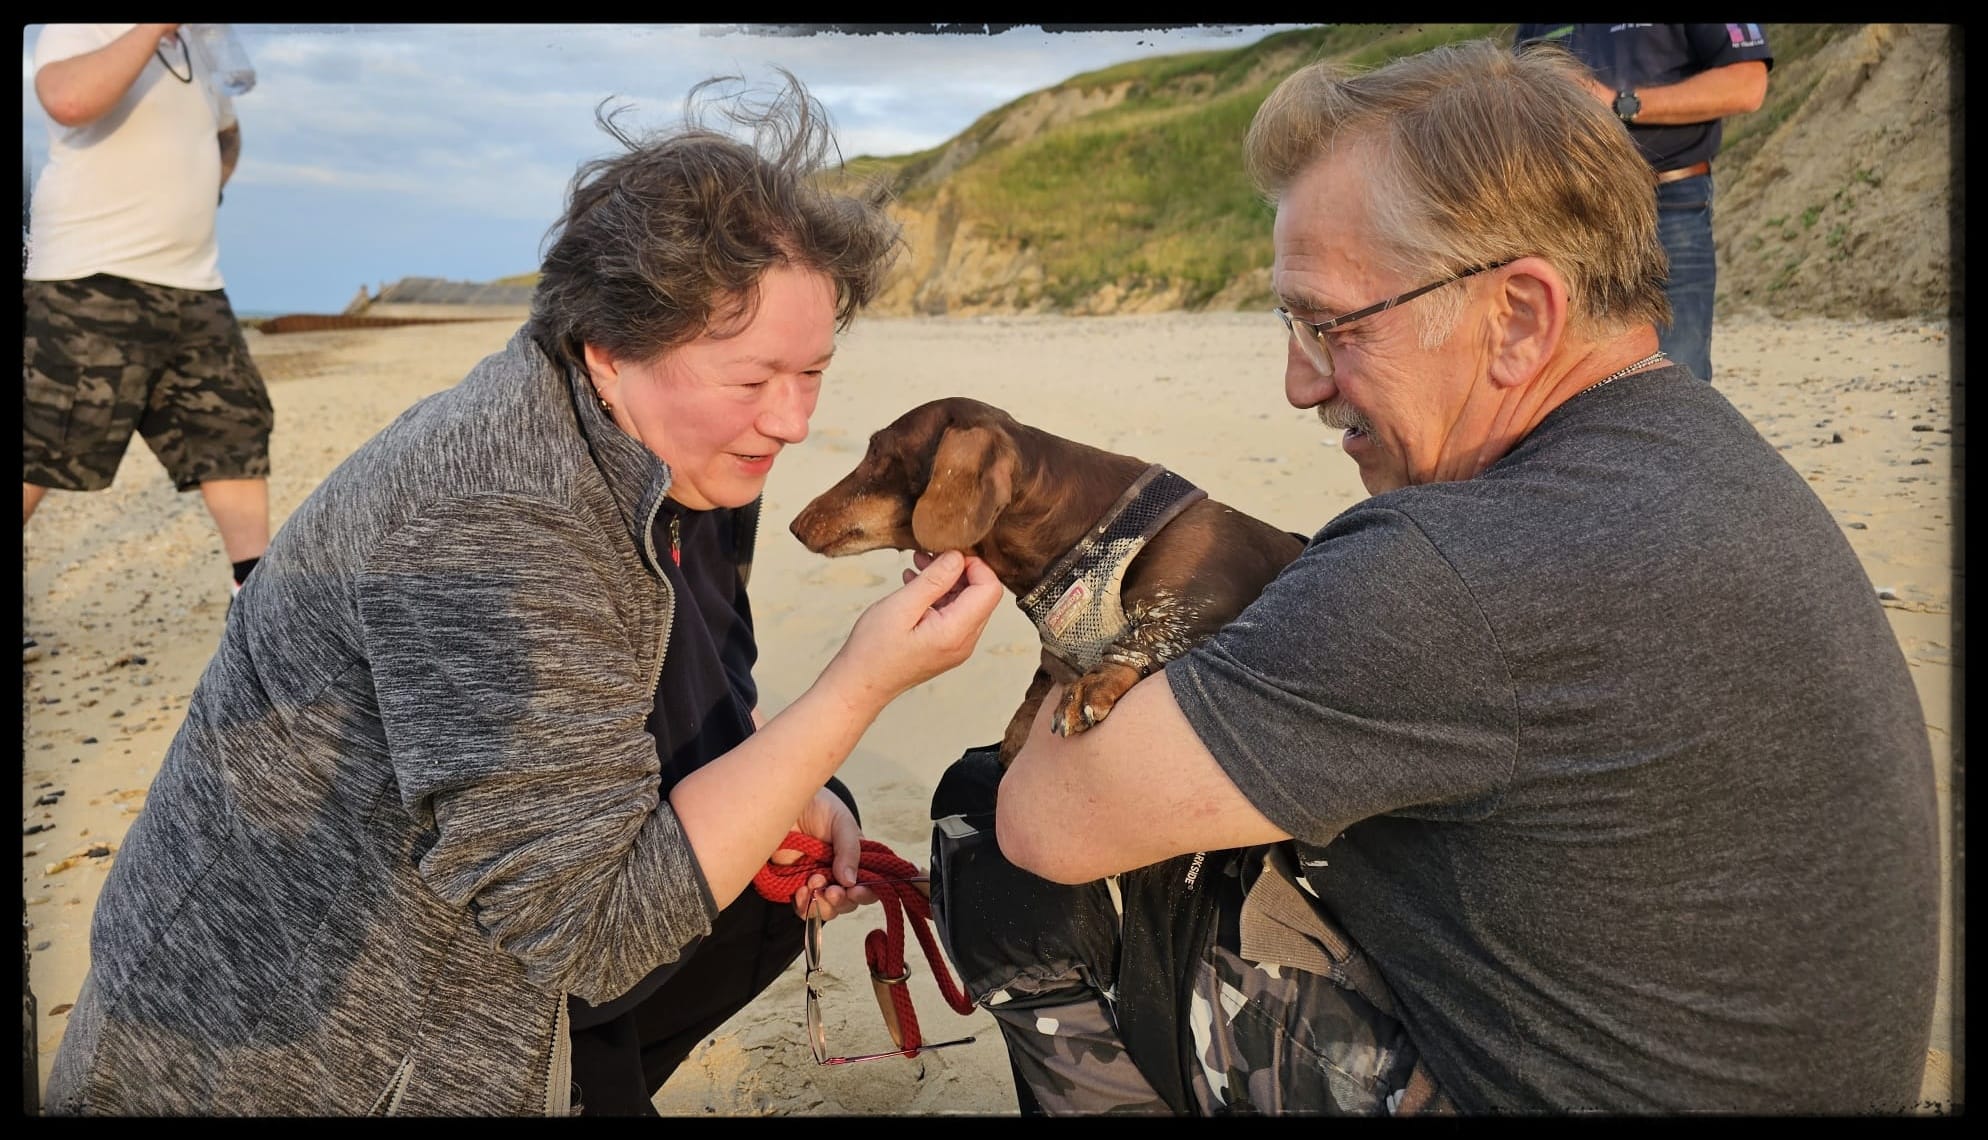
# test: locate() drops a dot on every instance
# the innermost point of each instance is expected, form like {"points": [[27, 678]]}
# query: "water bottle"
{"points": [[228, 68]]}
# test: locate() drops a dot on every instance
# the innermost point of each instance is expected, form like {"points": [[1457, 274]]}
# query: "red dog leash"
{"points": [[883, 872]]}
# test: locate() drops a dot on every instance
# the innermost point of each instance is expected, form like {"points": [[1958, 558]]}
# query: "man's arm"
{"points": [[1138, 788], [1715, 93], [230, 138], [81, 89]]}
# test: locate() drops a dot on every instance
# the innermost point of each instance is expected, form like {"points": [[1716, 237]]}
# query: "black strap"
{"points": [[1172, 910]]}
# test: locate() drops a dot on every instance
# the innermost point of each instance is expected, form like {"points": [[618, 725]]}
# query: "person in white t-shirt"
{"points": [[126, 324]]}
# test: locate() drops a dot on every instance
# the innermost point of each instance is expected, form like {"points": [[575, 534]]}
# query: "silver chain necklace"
{"points": [[1643, 363]]}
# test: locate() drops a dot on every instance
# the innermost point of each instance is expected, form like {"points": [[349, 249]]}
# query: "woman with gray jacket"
{"points": [[466, 805]]}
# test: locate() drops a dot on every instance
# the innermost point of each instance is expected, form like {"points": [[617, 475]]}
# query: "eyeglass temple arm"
{"points": [[1414, 293], [1431, 286]]}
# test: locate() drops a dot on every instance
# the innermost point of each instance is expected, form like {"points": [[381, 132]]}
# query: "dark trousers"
{"points": [[624, 1051], [620, 1065]]}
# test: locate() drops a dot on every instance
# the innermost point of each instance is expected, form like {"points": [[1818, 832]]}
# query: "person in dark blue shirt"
{"points": [[1673, 84]]}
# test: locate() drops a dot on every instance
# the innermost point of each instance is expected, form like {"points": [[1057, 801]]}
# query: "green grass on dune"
{"points": [[1149, 193], [1138, 196]]}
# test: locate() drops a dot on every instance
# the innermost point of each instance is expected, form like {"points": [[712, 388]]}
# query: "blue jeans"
{"points": [[1684, 225]]}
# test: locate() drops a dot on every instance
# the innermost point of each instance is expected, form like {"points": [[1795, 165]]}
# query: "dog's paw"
{"points": [[1091, 697], [1076, 713]]}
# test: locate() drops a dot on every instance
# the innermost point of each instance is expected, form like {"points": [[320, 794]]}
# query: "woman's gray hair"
{"points": [[667, 241], [1480, 154]]}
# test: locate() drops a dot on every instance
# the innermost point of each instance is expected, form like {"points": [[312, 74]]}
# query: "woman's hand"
{"points": [[929, 625], [828, 819]]}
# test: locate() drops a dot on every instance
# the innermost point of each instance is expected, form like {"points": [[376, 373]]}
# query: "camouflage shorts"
{"points": [[1302, 1025], [104, 356], [1270, 1041]]}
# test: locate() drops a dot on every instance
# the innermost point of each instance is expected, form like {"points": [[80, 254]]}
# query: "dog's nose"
{"points": [[806, 528]]}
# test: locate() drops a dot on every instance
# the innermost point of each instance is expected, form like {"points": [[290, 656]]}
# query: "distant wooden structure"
{"points": [[320, 322], [436, 297], [413, 301]]}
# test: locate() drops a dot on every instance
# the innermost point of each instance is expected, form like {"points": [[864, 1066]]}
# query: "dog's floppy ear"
{"points": [[973, 477]]}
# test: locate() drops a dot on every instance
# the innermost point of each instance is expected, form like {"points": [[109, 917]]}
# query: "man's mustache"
{"points": [[1342, 416]]}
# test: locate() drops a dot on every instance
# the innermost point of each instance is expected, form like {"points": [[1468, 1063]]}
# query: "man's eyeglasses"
{"points": [[818, 1030], [1319, 353]]}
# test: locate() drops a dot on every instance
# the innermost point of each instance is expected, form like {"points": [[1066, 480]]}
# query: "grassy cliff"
{"points": [[1122, 189], [1119, 188]]}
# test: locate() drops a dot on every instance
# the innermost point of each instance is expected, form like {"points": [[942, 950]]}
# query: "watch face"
{"points": [[1627, 104]]}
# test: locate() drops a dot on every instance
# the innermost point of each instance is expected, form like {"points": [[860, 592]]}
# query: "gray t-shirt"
{"points": [[1621, 777]]}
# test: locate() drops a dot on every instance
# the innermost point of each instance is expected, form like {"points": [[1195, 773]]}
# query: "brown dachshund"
{"points": [[1121, 565]]}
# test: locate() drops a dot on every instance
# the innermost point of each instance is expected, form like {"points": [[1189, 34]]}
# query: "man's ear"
{"points": [[1530, 318], [973, 479]]}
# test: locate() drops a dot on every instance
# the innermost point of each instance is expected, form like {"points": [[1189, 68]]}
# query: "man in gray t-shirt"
{"points": [[1586, 728]]}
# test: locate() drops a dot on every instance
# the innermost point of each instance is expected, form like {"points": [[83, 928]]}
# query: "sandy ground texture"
{"points": [[127, 590]]}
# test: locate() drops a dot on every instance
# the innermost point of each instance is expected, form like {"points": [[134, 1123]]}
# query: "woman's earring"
{"points": [[605, 406]]}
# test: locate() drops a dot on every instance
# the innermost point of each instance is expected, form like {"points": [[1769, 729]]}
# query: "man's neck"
{"points": [[1575, 369]]}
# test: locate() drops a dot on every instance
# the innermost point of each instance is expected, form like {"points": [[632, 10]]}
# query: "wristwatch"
{"points": [[1626, 105]]}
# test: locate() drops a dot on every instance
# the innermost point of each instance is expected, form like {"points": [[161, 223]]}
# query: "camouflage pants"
{"points": [[1271, 1039], [104, 356], [1285, 1015]]}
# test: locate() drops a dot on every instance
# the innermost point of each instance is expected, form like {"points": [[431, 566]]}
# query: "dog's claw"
{"points": [[1073, 716]]}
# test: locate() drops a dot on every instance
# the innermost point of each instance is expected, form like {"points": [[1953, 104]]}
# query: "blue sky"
{"points": [[372, 152]]}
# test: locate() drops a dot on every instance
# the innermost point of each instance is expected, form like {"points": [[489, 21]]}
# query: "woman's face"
{"points": [[719, 409]]}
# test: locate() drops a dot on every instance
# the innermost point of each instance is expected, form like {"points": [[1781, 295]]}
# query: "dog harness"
{"points": [[1076, 606]]}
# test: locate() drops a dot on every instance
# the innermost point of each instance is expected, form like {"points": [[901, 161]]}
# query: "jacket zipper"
{"points": [[669, 607], [559, 1067]]}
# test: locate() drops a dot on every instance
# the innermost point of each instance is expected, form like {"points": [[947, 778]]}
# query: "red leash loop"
{"points": [[883, 949]]}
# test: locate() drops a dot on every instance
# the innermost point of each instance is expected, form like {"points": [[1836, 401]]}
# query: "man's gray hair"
{"points": [[1479, 154]]}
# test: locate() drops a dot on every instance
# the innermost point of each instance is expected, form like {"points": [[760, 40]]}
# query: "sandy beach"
{"points": [[127, 590]]}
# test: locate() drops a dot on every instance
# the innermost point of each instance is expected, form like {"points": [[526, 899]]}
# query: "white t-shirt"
{"points": [[134, 192]]}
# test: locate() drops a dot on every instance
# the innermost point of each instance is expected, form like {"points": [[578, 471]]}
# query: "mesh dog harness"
{"points": [[1076, 606]]}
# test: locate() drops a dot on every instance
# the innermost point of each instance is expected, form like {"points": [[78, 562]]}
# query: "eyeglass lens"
{"points": [[817, 1033], [1309, 342]]}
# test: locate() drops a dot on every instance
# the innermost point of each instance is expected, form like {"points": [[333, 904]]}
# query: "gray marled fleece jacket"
{"points": [[413, 805]]}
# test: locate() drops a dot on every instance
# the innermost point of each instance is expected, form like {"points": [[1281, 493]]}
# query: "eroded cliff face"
{"points": [[1846, 209], [949, 269], [951, 264], [1842, 210]]}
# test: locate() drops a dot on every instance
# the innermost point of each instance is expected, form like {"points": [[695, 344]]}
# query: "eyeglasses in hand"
{"points": [[818, 1030]]}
